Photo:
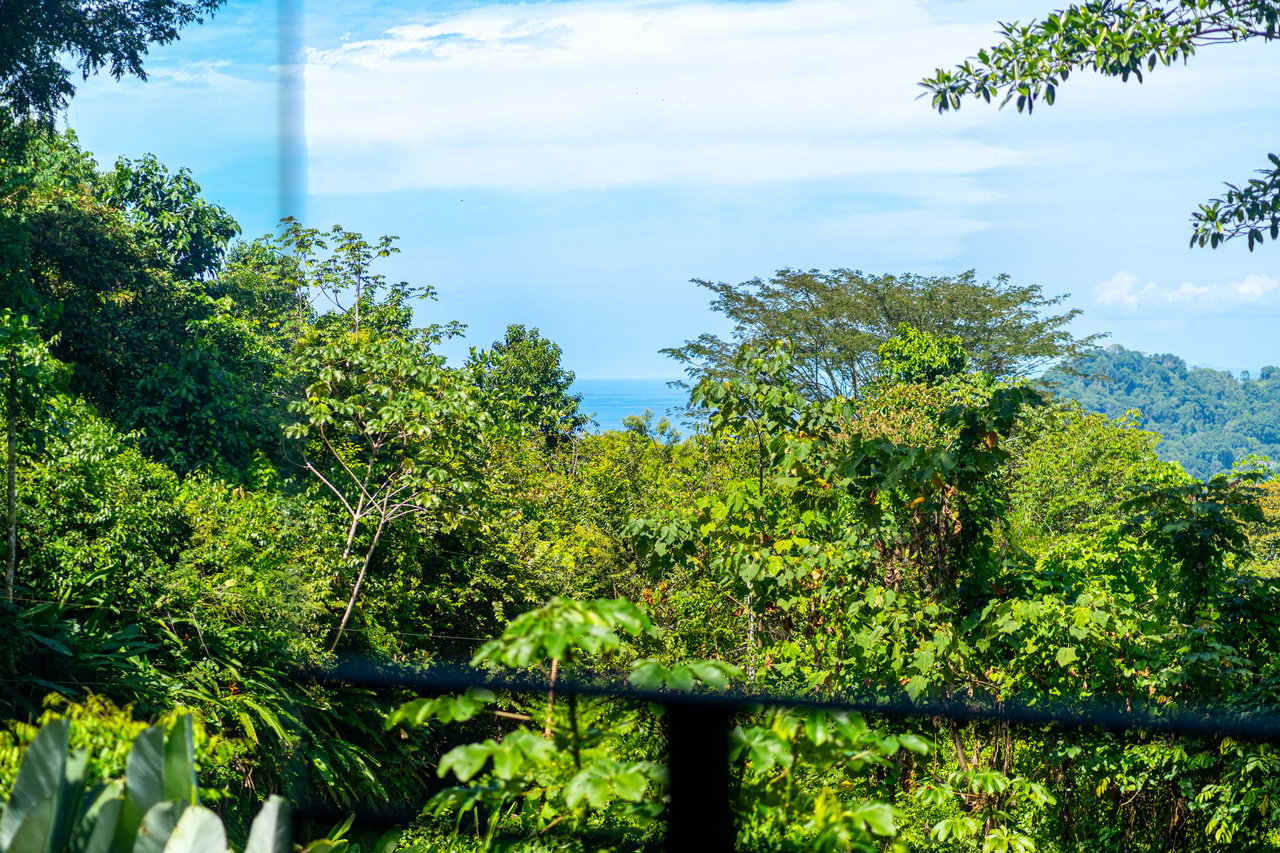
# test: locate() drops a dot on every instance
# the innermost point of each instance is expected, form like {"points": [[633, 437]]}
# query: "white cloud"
{"points": [[588, 94], [1126, 290]]}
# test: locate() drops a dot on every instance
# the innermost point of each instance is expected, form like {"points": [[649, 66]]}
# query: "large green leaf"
{"points": [[630, 783], [40, 778], [198, 831], [66, 805], [32, 835], [877, 818], [465, 761], [157, 825], [144, 787], [180, 762], [144, 769], [271, 831], [98, 827]]}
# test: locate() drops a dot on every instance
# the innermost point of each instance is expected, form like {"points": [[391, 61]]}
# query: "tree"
{"points": [[1072, 469], [343, 276], [390, 432], [523, 371], [912, 356], [1121, 38], [837, 321], [38, 36], [188, 233], [118, 267], [383, 424]]}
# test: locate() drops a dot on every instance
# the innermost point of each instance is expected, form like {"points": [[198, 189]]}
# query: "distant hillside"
{"points": [[1209, 419]]}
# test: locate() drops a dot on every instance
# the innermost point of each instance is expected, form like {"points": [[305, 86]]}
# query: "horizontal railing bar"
{"points": [[1186, 721]]}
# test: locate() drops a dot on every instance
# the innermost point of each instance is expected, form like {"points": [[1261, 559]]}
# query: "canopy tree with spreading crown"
{"points": [[837, 321]]}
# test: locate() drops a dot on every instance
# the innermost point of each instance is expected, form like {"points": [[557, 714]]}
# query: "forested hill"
{"points": [[1209, 418]]}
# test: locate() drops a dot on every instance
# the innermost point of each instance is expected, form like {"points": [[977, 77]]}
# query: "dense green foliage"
{"points": [[90, 799], [232, 464], [234, 461], [1209, 420]]}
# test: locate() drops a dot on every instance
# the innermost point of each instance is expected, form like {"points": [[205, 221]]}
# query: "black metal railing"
{"points": [[699, 812]]}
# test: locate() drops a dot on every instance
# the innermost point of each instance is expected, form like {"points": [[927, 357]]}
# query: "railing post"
{"points": [[700, 818]]}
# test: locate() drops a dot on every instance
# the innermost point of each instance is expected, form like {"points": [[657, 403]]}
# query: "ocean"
{"points": [[610, 400]]}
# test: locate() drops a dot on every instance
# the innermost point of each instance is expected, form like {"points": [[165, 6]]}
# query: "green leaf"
{"points": [[960, 828], [198, 831], [916, 744], [586, 785], [272, 830], [157, 825], [1066, 655], [765, 749], [878, 818], [508, 759], [386, 843], [648, 674], [713, 673], [39, 779], [465, 761], [630, 784], [680, 677], [180, 762], [817, 727], [67, 803], [144, 770], [33, 833], [340, 828], [99, 823]]}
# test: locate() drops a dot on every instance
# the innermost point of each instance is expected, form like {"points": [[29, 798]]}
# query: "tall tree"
{"points": [[391, 434], [383, 424], [837, 321], [1122, 38], [155, 343]]}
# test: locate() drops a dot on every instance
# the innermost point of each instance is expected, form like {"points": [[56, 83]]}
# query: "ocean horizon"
{"points": [[608, 401]]}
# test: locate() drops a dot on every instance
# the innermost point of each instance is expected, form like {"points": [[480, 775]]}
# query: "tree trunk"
{"points": [[11, 562], [351, 531], [355, 592], [551, 697]]}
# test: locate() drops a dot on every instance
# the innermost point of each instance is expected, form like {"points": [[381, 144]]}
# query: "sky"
{"points": [[571, 165]]}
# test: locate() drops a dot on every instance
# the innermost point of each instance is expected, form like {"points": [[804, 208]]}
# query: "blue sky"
{"points": [[571, 165]]}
